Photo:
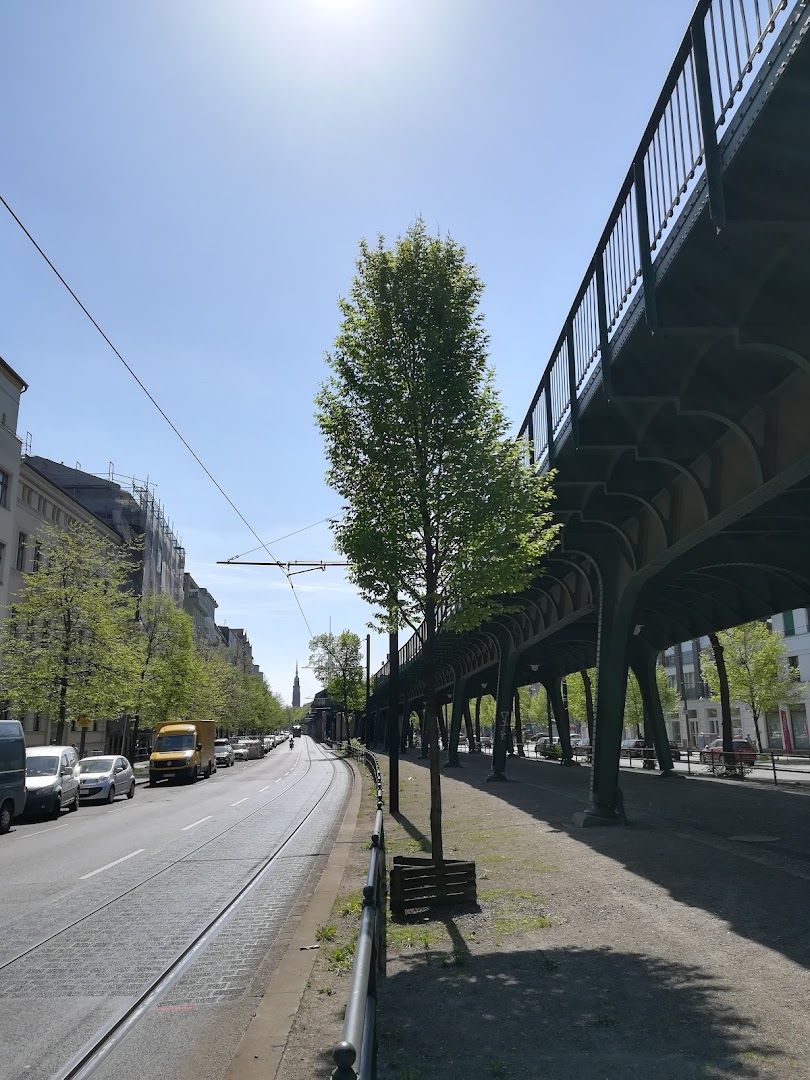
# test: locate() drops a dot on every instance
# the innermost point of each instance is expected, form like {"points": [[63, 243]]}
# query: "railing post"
{"points": [[549, 420], [644, 257], [601, 311], [530, 436], [711, 152], [572, 384]]}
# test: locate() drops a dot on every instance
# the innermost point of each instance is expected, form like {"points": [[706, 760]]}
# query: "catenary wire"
{"points": [[153, 400]]}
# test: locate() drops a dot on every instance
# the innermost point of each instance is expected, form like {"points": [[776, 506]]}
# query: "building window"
{"points": [[55, 515], [41, 504], [711, 712], [4, 485], [790, 626], [37, 556], [36, 721], [692, 714], [22, 540], [793, 661], [2, 559]]}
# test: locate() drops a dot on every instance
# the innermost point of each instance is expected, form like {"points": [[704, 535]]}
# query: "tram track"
{"points": [[94, 1052], [163, 870]]}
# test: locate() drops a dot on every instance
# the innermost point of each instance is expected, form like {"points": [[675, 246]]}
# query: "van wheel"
{"points": [[5, 818], [74, 806], [152, 781], [207, 773], [192, 776], [131, 792], [56, 809]]}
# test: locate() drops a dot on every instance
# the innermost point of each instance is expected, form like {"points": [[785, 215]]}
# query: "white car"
{"points": [[240, 752], [51, 779], [105, 777]]}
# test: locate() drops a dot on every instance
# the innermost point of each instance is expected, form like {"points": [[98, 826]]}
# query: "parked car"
{"points": [[240, 752], [51, 779], [223, 752], [744, 751], [106, 777], [253, 747], [632, 747], [12, 772]]}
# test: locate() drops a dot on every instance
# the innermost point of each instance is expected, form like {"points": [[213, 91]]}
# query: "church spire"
{"points": [[296, 694]]}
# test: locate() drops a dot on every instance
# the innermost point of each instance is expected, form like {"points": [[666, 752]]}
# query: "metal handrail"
{"points": [[721, 53], [355, 1056]]}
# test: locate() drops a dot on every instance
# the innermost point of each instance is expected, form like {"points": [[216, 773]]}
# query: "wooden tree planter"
{"points": [[415, 883]]}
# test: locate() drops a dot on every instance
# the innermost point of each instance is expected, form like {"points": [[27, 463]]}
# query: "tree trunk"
{"points": [[518, 726], [63, 689], [133, 737], [478, 723], [424, 741], [82, 738], [432, 731], [725, 702], [756, 715], [586, 683]]}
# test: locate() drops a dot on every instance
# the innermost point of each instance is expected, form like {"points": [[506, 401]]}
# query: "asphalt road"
{"points": [[95, 906]]}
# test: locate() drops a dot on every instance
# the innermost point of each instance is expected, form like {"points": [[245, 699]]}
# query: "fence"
{"points": [[355, 1056]]}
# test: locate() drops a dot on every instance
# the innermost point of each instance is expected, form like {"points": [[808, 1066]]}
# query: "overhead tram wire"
{"points": [[152, 399]]}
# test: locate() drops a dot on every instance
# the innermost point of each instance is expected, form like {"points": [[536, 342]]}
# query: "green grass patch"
{"points": [[504, 925], [411, 936], [350, 905], [340, 959], [326, 933]]}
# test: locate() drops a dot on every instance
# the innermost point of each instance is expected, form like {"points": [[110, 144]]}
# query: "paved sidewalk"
{"points": [[677, 947]]}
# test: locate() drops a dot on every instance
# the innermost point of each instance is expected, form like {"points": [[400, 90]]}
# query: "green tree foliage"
{"points": [[440, 510], [337, 662], [163, 660], [759, 674], [65, 650]]}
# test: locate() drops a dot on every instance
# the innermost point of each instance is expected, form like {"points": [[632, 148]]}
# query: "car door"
{"points": [[65, 778], [119, 776]]}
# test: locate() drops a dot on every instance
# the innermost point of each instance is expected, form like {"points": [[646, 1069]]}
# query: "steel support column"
{"points": [[616, 611], [457, 713], [507, 681], [643, 660], [554, 692]]}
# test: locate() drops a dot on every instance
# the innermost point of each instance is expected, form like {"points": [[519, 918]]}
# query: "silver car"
{"points": [[105, 777], [51, 779], [223, 752]]}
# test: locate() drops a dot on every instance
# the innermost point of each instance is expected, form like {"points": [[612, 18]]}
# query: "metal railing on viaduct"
{"points": [[673, 407]]}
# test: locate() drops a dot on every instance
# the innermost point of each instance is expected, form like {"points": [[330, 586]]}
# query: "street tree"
{"points": [[757, 668], [336, 661], [442, 517], [64, 650], [162, 646]]}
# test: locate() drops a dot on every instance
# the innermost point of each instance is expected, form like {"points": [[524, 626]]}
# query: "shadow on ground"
{"points": [[561, 1013], [681, 838]]}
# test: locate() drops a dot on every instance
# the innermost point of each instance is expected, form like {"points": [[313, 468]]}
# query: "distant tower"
{"points": [[296, 689]]}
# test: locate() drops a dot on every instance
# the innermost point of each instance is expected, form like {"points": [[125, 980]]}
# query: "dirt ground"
{"points": [[677, 946]]}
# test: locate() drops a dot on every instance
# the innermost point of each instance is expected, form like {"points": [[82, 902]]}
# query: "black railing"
{"points": [[355, 1055], [719, 56]]}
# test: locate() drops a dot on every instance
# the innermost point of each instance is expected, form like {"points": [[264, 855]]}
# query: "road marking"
{"points": [[265, 788], [41, 832], [191, 826], [279, 780], [240, 801], [115, 862]]}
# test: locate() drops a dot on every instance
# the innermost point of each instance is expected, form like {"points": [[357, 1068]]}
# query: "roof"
{"points": [[12, 374]]}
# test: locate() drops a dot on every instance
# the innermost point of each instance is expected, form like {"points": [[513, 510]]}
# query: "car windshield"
{"points": [[96, 764], [42, 766], [170, 743], [222, 744]]}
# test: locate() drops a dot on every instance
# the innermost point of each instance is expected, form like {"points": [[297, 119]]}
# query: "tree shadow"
{"points": [[567, 1014], [681, 837]]}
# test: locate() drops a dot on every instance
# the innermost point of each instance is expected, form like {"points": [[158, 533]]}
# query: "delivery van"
{"points": [[12, 772], [183, 750]]}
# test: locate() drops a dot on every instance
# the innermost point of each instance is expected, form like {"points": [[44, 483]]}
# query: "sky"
{"points": [[201, 173]]}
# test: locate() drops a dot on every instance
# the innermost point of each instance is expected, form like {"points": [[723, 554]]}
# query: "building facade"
{"points": [[134, 515], [200, 605], [12, 386]]}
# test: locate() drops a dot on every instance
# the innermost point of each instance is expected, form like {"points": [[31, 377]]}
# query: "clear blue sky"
{"points": [[202, 171]]}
